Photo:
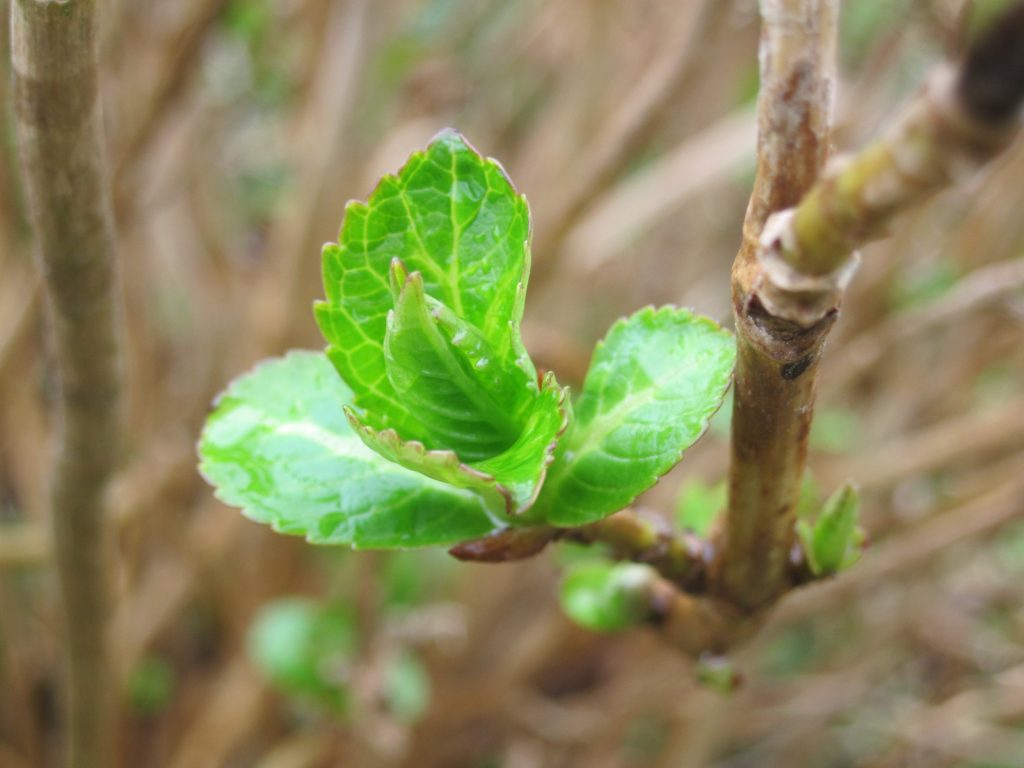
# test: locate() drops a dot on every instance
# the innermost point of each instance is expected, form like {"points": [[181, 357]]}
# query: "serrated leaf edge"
{"points": [[651, 311], [275, 522], [448, 459]]}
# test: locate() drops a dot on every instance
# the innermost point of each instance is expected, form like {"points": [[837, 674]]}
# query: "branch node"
{"points": [[786, 292]]}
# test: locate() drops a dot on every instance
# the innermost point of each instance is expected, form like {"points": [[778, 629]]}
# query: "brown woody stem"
{"points": [[788, 279], [776, 361], [60, 142], [698, 625]]}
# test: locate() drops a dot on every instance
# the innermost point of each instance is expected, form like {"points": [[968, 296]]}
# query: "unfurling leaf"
{"points": [[425, 294], [439, 431], [451, 216]]}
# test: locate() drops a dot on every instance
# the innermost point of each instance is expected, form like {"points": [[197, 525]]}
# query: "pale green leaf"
{"points": [[278, 445], [832, 542], [407, 689], [294, 642]]}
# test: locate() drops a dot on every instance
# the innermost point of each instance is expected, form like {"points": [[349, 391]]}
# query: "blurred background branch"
{"points": [[60, 146]]}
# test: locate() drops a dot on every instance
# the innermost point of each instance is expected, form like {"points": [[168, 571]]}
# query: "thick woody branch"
{"points": [[788, 279], [60, 143], [694, 625], [776, 362], [697, 625]]}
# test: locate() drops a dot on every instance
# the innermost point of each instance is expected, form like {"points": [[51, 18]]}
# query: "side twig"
{"points": [[61, 149], [679, 558]]}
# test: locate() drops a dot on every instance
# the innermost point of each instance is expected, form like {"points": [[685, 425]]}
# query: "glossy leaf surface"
{"points": [[455, 389], [653, 384], [508, 482], [452, 216], [278, 445]]}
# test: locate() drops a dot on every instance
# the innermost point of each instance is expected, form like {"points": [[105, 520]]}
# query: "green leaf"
{"points": [[300, 646], [606, 597], [509, 482], [454, 217], [521, 470], [833, 541], [278, 445], [451, 381], [699, 504], [406, 687], [653, 384], [151, 685]]}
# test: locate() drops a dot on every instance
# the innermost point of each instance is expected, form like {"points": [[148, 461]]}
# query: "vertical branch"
{"points": [[60, 145], [777, 361]]}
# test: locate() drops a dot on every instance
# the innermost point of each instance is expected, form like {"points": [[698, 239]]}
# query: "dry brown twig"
{"points": [[979, 289]]}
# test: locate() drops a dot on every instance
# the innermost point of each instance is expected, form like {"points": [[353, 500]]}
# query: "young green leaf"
{"points": [[278, 445], [832, 542], [295, 642], [653, 384], [606, 597], [509, 482], [449, 382], [452, 216]]}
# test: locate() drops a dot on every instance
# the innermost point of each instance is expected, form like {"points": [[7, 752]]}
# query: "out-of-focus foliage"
{"points": [[699, 505], [604, 596], [303, 648]]}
